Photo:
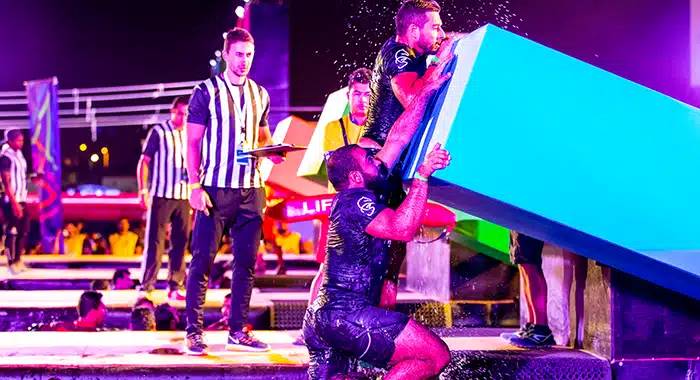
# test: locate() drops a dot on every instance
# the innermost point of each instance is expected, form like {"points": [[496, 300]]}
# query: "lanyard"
{"points": [[345, 133], [237, 107]]}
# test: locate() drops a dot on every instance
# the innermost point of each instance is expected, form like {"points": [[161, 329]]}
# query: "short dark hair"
{"points": [[144, 302], [100, 284], [183, 99], [413, 12], [12, 134], [142, 319], [165, 317], [89, 300], [237, 35], [119, 273], [339, 165], [362, 75]]}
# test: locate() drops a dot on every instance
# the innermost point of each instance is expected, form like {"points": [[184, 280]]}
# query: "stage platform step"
{"points": [[292, 261], [81, 278], [538, 364], [269, 309], [130, 355]]}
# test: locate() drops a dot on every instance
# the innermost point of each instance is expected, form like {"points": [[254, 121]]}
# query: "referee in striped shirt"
{"points": [[13, 171], [227, 116], [162, 179]]}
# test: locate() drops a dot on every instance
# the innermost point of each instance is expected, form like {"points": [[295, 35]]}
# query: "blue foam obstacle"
{"points": [[561, 150]]}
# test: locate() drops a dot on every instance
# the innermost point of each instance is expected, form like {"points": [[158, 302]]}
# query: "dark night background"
{"points": [[107, 43]]}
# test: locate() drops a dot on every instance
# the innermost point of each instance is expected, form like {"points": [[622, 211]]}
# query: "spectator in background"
{"points": [[121, 280], [142, 319], [163, 193], [95, 244], [99, 285], [289, 241], [140, 231], [222, 324], [73, 239], [167, 317], [91, 311], [218, 278], [13, 173], [144, 302], [348, 129], [225, 245], [123, 242]]}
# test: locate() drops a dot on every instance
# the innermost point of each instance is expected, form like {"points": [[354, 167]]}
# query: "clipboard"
{"points": [[275, 149]]}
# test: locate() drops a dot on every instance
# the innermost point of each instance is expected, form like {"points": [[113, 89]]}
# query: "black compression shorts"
{"points": [[334, 337]]}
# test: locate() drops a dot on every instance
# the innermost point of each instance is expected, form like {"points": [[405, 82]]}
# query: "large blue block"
{"points": [[554, 147]]}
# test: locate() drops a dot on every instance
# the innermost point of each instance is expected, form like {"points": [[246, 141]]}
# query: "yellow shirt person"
{"points": [[289, 243], [123, 242], [341, 132]]}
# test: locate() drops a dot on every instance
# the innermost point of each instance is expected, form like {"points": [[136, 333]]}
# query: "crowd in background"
{"points": [[145, 314], [126, 238], [124, 241]]}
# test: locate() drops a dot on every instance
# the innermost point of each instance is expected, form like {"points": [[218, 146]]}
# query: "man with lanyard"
{"points": [[13, 170], [227, 117], [347, 129], [400, 72], [344, 322], [165, 197]]}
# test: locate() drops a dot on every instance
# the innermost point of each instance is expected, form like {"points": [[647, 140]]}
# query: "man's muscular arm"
{"points": [[264, 135], [405, 127], [408, 85], [195, 134], [143, 173], [403, 223], [142, 178], [197, 120], [199, 199]]}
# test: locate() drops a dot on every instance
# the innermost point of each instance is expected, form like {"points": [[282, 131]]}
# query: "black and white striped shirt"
{"points": [[13, 161], [167, 148], [232, 116]]}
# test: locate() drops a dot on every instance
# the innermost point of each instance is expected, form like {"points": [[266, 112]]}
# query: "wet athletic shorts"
{"points": [[334, 337]]}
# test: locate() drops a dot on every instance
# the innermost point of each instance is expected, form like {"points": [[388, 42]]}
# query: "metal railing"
{"points": [[95, 107]]}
